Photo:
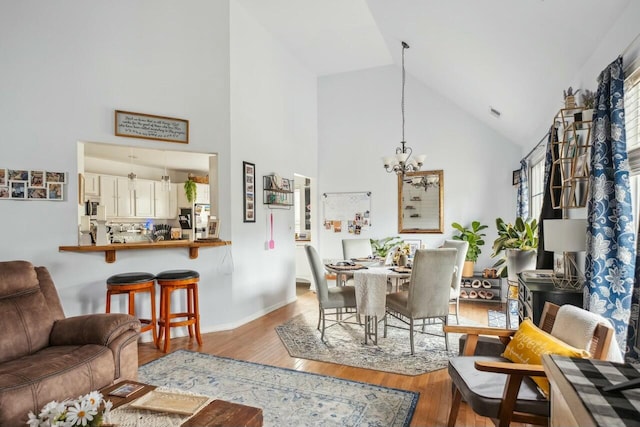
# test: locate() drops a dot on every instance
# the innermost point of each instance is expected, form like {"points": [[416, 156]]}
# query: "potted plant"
{"points": [[517, 243], [588, 100], [190, 190], [570, 97], [382, 247], [474, 237]]}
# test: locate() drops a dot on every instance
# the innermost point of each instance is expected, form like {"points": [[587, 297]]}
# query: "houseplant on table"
{"points": [[517, 243], [381, 247], [474, 237]]}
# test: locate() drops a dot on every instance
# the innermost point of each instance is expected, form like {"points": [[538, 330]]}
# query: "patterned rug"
{"points": [[287, 397], [497, 319], [344, 344]]}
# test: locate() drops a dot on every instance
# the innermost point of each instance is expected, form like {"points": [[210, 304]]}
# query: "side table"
{"points": [[533, 292]]}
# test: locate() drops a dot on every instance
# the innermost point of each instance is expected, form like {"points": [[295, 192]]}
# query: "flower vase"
{"points": [[402, 260]]}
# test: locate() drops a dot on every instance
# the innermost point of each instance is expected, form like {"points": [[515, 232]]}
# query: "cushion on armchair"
{"points": [[530, 343]]}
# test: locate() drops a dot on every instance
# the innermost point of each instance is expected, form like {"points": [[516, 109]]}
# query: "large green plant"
{"points": [[381, 247], [522, 235], [472, 235]]}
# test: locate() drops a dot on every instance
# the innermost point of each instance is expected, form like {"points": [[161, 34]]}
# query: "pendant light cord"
{"points": [[404, 46]]}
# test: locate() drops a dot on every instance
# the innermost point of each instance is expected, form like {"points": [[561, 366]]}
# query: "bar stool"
{"points": [[173, 280], [130, 284]]}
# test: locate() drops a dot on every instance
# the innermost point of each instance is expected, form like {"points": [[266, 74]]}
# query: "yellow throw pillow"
{"points": [[529, 344]]}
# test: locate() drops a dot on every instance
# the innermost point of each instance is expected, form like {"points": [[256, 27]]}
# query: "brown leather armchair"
{"points": [[45, 356]]}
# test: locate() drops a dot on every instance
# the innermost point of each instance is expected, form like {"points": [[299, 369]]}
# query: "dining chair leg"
{"points": [[319, 317], [411, 334], [457, 310], [455, 407], [385, 325], [446, 336]]}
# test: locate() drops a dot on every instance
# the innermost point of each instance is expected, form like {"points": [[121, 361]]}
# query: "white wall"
{"points": [[274, 125], [66, 67], [360, 122]]}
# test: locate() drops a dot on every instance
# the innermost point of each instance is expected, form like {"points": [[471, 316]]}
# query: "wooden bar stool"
{"points": [[173, 280], [131, 284]]}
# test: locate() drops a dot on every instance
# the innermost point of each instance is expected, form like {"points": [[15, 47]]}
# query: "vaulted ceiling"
{"points": [[515, 56]]}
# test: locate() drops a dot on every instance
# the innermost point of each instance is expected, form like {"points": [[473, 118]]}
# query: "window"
{"points": [[536, 185], [632, 119]]}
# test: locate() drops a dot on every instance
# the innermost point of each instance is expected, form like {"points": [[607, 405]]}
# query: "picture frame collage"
{"points": [[249, 188], [25, 184]]}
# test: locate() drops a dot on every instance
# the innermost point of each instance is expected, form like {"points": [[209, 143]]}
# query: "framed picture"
{"points": [[4, 192], [80, 189], [286, 184], [56, 177], [148, 126], [54, 190], [18, 189], [36, 179], [249, 176], [3, 177], [414, 244], [515, 178], [213, 230], [18, 175], [36, 193]]}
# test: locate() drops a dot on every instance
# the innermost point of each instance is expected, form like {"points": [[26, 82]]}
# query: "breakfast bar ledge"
{"points": [[110, 250]]}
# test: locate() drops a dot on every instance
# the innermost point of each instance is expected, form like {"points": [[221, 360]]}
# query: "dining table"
{"points": [[371, 286]]}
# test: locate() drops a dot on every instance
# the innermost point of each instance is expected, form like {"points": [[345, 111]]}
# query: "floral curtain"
{"points": [[611, 250], [523, 191]]}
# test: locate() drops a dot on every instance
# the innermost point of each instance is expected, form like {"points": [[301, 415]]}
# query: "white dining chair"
{"points": [[456, 278]]}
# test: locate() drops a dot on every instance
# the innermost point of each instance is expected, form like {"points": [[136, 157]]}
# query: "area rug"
{"points": [[497, 319], [287, 397], [344, 344]]}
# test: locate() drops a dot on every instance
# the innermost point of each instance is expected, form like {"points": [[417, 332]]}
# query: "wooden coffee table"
{"points": [[218, 413]]}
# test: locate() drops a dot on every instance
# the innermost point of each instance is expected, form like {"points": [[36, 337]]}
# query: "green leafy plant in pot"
{"points": [[381, 247], [190, 190], [516, 244], [474, 237]]}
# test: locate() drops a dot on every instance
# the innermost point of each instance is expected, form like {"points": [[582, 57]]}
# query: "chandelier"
{"points": [[401, 162], [423, 182]]}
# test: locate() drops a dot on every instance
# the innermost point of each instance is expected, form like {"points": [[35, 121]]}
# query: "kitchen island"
{"points": [[110, 250]]}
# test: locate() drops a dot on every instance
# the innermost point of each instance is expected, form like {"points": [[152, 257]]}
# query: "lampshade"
{"points": [[565, 235]]}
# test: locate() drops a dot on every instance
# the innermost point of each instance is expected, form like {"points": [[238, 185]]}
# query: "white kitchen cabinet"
{"points": [[124, 198], [144, 199], [91, 184], [202, 193], [166, 202], [109, 194]]}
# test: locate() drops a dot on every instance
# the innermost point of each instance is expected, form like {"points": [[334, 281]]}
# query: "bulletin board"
{"points": [[347, 212]]}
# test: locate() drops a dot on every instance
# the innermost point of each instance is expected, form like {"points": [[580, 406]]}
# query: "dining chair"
{"points": [[496, 387], [456, 279], [334, 299], [429, 291], [356, 248]]}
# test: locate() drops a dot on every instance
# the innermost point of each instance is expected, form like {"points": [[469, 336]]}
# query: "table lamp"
{"points": [[567, 236]]}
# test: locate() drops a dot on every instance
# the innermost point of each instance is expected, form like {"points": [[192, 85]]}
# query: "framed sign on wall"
{"points": [[249, 195], [147, 126]]}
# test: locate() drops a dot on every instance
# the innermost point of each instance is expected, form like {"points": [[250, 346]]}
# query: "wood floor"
{"points": [[258, 342]]}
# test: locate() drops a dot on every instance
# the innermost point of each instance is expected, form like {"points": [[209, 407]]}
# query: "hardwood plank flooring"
{"points": [[258, 342]]}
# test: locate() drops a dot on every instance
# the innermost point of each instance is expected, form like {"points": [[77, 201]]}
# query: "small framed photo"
{"points": [[3, 177], [213, 230], [515, 178], [4, 192], [36, 193], [286, 184], [248, 175], [54, 190], [36, 179], [414, 244], [18, 189], [56, 177], [18, 175]]}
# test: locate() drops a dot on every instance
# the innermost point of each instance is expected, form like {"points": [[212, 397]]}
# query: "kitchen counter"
{"points": [[110, 250]]}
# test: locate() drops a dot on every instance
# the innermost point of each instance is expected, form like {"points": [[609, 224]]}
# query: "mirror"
{"points": [[421, 202]]}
